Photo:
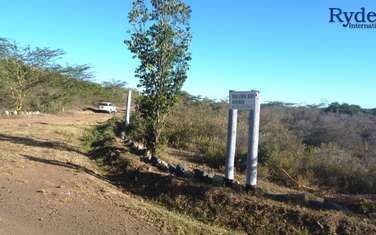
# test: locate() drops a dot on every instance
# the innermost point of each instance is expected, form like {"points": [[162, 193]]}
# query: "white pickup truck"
{"points": [[107, 107]]}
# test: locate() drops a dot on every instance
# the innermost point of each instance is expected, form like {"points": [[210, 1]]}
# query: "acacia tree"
{"points": [[23, 68], [160, 39]]}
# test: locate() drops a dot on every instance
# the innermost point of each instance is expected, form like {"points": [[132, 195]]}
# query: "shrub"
{"points": [[333, 151]]}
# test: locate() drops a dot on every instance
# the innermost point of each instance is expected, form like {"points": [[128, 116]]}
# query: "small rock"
{"points": [[218, 180], [163, 165], [144, 152], [180, 170], [122, 135], [199, 174], [202, 176], [140, 147], [236, 186], [208, 179], [141, 150], [146, 159], [147, 153], [171, 169], [188, 174], [155, 160]]}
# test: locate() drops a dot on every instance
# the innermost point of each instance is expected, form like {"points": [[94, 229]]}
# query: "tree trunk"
{"points": [[156, 131], [19, 102]]}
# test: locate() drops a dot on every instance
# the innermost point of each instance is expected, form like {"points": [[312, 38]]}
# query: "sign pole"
{"points": [[253, 140], [231, 143], [128, 114]]}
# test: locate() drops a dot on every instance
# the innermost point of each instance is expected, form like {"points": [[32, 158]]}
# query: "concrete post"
{"points": [[253, 140], [128, 114], [231, 143]]}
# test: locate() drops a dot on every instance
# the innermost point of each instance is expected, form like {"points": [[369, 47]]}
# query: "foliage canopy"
{"points": [[160, 39], [32, 79]]}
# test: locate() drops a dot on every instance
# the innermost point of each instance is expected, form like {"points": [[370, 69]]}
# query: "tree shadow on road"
{"points": [[39, 143], [66, 165]]}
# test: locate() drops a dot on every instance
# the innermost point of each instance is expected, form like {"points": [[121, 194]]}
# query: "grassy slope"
{"points": [[216, 206]]}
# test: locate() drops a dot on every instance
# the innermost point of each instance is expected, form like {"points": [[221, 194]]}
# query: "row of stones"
{"points": [[200, 175], [179, 170], [15, 113]]}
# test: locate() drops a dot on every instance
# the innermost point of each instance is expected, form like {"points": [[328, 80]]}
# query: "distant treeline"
{"points": [[334, 107], [348, 109], [31, 79]]}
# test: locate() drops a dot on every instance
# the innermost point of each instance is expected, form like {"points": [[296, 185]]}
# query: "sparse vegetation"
{"points": [[31, 79], [227, 208], [335, 151]]}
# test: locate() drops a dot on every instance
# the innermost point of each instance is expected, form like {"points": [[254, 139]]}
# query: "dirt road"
{"points": [[47, 186]]}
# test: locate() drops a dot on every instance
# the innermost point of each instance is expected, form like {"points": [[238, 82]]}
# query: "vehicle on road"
{"points": [[107, 107]]}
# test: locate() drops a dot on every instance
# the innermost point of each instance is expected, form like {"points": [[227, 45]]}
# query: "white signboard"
{"points": [[243, 100]]}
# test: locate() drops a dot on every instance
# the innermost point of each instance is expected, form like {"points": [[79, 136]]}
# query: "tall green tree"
{"points": [[160, 39]]}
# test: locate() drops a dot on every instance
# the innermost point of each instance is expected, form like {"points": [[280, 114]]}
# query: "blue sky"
{"points": [[287, 49]]}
